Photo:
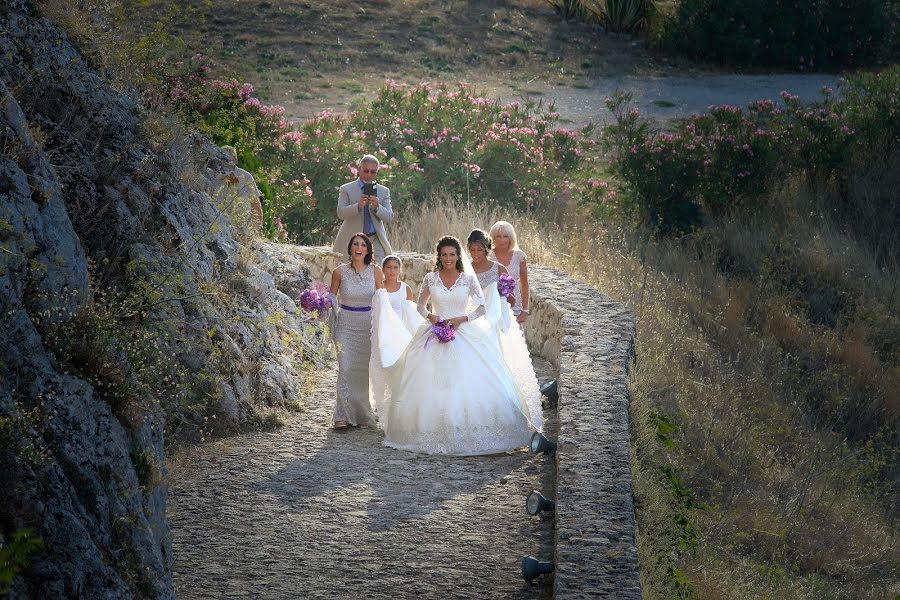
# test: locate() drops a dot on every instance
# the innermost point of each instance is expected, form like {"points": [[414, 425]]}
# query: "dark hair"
{"points": [[370, 252], [389, 257], [477, 236], [444, 242]]}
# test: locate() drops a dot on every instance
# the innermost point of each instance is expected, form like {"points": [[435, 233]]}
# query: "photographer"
{"points": [[365, 207]]}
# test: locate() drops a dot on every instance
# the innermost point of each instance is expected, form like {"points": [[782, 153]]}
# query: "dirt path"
{"points": [[305, 512], [668, 97], [661, 97]]}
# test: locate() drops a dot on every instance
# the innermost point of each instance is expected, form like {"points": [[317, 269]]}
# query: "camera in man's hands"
{"points": [[369, 189]]}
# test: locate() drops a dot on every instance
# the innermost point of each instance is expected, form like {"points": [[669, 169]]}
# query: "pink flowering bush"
{"points": [[732, 156], [229, 114], [428, 138]]}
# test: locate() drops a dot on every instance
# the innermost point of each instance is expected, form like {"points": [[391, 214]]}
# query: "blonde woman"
{"points": [[506, 251], [512, 340]]}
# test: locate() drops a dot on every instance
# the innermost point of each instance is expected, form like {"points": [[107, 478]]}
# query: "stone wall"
{"points": [[588, 338], [128, 300]]}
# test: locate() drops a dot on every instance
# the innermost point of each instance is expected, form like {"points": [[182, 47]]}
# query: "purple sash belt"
{"points": [[356, 308]]}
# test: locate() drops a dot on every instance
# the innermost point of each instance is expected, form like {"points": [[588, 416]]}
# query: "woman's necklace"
{"points": [[482, 267], [358, 273], [508, 255]]}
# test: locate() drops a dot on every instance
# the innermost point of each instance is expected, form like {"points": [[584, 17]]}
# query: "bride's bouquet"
{"points": [[443, 331], [316, 299], [506, 285]]}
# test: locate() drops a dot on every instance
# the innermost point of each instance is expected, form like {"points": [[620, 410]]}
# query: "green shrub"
{"points": [[804, 34], [14, 556], [732, 157], [621, 15], [429, 139]]}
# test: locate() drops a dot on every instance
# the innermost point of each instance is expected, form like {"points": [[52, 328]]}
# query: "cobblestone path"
{"points": [[307, 512]]}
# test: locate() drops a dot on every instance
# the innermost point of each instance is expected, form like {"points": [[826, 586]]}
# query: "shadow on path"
{"points": [[307, 512]]}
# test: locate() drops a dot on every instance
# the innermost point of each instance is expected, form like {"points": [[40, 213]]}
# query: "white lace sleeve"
{"points": [[424, 295], [477, 298]]}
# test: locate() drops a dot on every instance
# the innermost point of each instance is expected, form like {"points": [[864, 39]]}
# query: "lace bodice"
{"points": [[454, 301], [490, 276], [357, 289]]}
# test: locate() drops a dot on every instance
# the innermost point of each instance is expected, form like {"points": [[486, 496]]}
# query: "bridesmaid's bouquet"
{"points": [[315, 299], [506, 285], [443, 331]]}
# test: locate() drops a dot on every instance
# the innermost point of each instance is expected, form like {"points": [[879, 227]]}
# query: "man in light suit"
{"points": [[366, 213]]}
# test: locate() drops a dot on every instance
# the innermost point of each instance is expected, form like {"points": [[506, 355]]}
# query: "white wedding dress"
{"points": [[454, 398]]}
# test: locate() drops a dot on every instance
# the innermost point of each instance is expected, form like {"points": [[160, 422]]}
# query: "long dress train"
{"points": [[512, 343], [449, 398]]}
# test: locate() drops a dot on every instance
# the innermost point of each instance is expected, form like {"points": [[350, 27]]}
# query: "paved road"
{"points": [[669, 97], [305, 512]]}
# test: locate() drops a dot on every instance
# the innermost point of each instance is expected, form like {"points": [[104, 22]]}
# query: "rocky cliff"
{"points": [[133, 304]]}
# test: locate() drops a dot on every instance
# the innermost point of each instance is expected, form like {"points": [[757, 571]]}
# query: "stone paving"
{"points": [[307, 512]]}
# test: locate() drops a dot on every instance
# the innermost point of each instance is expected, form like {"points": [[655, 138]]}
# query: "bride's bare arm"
{"points": [[335, 281]]}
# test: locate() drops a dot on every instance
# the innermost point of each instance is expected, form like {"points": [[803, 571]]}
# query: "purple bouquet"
{"points": [[443, 331], [506, 285], [315, 299]]}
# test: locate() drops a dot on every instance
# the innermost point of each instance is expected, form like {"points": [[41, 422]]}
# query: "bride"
{"points": [[457, 397]]}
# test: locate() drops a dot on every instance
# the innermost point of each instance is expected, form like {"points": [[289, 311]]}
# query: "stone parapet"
{"points": [[588, 338]]}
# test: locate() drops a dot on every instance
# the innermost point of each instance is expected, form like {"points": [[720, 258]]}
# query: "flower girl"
{"points": [[397, 290]]}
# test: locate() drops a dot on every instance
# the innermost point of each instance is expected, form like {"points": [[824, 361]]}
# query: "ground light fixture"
{"points": [[541, 445], [536, 503], [550, 391], [533, 568]]}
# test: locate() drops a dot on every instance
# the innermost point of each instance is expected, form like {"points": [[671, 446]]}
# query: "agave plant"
{"points": [[620, 15], [570, 9]]}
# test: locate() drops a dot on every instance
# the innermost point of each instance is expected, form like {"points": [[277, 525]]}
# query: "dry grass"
{"points": [[792, 508]]}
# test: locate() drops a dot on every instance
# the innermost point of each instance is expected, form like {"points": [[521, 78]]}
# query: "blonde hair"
{"points": [[506, 228]]}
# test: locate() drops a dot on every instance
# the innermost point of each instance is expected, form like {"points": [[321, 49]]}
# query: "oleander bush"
{"points": [[804, 34], [708, 165], [428, 138]]}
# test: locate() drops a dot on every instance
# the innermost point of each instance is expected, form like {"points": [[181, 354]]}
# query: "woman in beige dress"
{"points": [[354, 284]]}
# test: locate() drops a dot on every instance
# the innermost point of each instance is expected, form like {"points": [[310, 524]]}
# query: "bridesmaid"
{"points": [[397, 290], [354, 283], [486, 270], [507, 252], [512, 341]]}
